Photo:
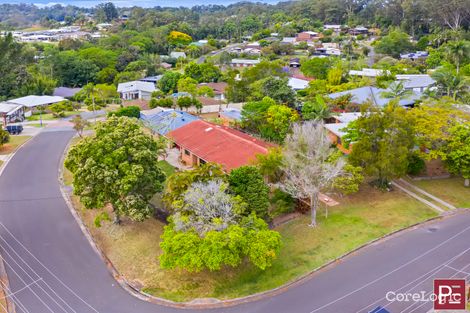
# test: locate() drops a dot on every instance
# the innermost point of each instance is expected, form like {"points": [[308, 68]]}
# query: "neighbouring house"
{"points": [[206, 101], [287, 40], [336, 131], [322, 51], [66, 92], [252, 51], [201, 142], [167, 120], [368, 72], [136, 90], [307, 36], [11, 112], [103, 26], [253, 45], [230, 115], [294, 63], [218, 88], [414, 55], [244, 62], [166, 66], [374, 95], [359, 30], [151, 79], [32, 102], [297, 83], [334, 27], [416, 82], [177, 55]]}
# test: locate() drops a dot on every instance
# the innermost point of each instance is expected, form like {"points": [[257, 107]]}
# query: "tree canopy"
{"points": [[118, 167]]}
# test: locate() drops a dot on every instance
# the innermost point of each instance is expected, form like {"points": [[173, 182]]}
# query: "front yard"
{"points": [[451, 190], [134, 247], [49, 116], [13, 144]]}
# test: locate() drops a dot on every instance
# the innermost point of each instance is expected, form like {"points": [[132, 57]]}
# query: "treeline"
{"points": [[414, 16]]}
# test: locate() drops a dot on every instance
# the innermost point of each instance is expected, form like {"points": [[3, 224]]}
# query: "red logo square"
{"points": [[449, 294]]}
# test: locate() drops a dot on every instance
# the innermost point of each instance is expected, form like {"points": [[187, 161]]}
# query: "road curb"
{"points": [[3, 273], [216, 303]]}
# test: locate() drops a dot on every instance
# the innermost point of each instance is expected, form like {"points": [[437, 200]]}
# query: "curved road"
{"points": [[52, 268]]}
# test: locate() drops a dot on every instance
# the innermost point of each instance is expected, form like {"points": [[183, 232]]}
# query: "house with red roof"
{"points": [[201, 142]]}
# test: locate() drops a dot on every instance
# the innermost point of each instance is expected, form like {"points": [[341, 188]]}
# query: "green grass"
{"points": [[49, 116], [451, 190], [166, 167], [134, 247], [13, 144], [38, 125]]}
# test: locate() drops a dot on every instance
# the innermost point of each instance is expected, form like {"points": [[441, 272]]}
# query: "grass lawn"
{"points": [[49, 116], [13, 144], [451, 190], [134, 247], [166, 167], [38, 125]]}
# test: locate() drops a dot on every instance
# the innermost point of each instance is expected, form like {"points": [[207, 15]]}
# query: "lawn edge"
{"points": [[212, 303]]}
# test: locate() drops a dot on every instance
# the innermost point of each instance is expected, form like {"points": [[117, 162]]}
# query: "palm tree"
{"points": [[396, 90], [457, 51], [317, 110], [449, 81]]}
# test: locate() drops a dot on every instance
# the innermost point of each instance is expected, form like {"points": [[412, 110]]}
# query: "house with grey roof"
{"points": [[136, 90], [416, 82], [177, 55], [167, 120], [375, 96]]}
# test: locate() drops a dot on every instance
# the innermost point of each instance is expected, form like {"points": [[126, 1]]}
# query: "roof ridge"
{"points": [[231, 133]]}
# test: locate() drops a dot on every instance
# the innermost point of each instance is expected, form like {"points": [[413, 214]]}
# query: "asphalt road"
{"points": [[52, 267]]}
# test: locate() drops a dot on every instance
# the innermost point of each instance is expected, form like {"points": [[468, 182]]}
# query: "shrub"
{"points": [[415, 165], [130, 111], [4, 137]]}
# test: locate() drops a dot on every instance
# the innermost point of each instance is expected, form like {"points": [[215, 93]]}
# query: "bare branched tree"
{"points": [[207, 206], [308, 166]]}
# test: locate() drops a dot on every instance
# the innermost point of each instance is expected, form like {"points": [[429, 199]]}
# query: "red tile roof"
{"points": [[219, 144]]}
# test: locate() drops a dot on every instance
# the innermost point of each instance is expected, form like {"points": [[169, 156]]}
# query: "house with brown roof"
{"points": [[218, 88], [201, 142], [307, 36]]}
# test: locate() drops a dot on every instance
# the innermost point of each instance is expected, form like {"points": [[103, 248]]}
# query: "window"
{"points": [[186, 152], [201, 161]]}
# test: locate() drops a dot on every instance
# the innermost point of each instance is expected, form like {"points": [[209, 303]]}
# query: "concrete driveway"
{"points": [[52, 267]]}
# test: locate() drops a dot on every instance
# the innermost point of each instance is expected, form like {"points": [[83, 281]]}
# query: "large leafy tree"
{"points": [[384, 139], [106, 12], [203, 73], [247, 182], [209, 231], [169, 82], [14, 59], [316, 67], [179, 39], [457, 151], [394, 43], [431, 125], [275, 88], [277, 125], [118, 167]]}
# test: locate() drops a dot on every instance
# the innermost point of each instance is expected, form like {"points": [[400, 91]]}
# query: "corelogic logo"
{"points": [[449, 294]]}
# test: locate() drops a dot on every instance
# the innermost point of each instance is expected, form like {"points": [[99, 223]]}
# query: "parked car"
{"points": [[14, 129]]}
